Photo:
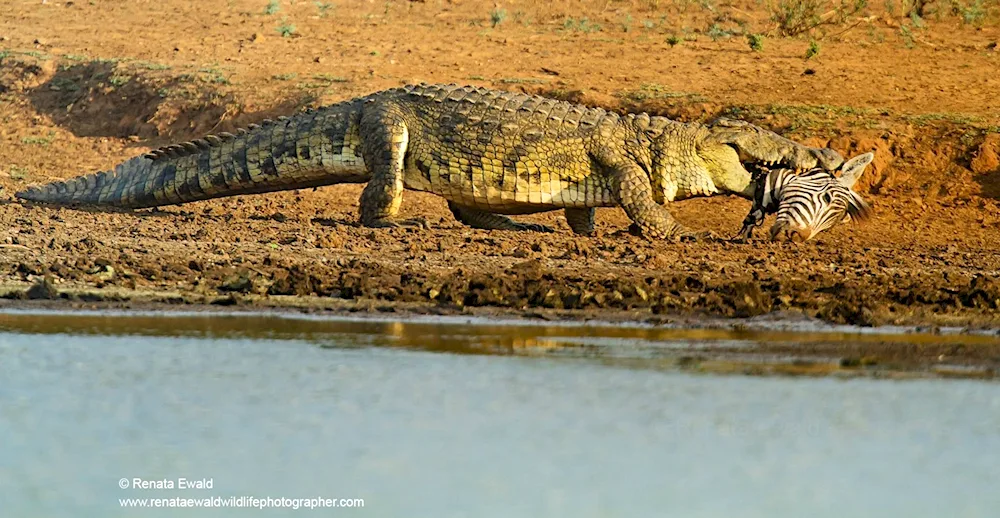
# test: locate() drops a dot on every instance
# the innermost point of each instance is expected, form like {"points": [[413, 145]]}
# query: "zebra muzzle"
{"points": [[783, 232]]}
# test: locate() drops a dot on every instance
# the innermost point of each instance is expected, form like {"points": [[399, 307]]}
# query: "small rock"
{"points": [[239, 282], [42, 289], [107, 274], [330, 240], [520, 252], [987, 157]]}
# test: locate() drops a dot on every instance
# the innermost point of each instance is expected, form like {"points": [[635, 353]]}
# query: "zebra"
{"points": [[806, 203]]}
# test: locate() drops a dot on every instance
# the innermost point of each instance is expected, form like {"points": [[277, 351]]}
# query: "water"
{"points": [[442, 420]]}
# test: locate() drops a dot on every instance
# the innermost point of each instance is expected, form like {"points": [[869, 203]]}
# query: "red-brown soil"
{"points": [[84, 85]]}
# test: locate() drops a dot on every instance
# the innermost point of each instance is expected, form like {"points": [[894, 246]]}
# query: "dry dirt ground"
{"points": [[86, 84]]}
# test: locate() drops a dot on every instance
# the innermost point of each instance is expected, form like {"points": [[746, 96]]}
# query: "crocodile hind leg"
{"points": [[581, 220], [384, 138], [476, 218]]}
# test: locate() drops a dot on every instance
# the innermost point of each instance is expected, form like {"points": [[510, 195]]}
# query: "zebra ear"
{"points": [[852, 169]]}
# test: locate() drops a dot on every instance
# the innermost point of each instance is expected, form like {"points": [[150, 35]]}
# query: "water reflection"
{"points": [[742, 350]]}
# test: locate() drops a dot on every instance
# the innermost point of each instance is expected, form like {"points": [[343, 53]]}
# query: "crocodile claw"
{"points": [[703, 236], [535, 227]]}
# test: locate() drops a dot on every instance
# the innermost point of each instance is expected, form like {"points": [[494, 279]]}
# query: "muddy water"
{"points": [[460, 418]]}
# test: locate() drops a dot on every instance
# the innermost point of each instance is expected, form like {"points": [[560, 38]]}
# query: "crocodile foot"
{"points": [[684, 236], [703, 236]]}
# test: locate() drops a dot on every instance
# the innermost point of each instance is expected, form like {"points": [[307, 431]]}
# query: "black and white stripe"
{"points": [[806, 203]]}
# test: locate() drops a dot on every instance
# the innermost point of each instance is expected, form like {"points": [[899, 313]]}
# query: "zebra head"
{"points": [[808, 203], [813, 202]]}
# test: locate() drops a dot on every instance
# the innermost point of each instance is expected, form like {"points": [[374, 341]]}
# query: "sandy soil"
{"points": [[84, 85]]}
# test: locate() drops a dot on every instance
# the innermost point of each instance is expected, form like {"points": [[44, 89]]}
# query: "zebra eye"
{"points": [[827, 198]]}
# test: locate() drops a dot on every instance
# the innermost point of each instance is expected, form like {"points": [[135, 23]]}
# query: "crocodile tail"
{"points": [[310, 149]]}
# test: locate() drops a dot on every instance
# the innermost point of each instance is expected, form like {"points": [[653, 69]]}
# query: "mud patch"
{"points": [[132, 99], [927, 256]]}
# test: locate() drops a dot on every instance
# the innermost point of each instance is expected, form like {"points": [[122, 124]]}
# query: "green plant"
{"points": [[518, 81], [653, 91], [627, 23], [717, 32], [212, 75], [119, 80], [756, 42], [287, 30], [907, 34], [581, 25], [972, 13], [497, 16], [285, 77], [272, 7], [800, 16], [324, 8], [149, 65], [19, 173], [218, 79], [39, 141], [37, 54], [673, 40], [330, 79], [813, 50]]}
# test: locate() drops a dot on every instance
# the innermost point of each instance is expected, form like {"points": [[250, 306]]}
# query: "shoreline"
{"points": [[751, 346]]}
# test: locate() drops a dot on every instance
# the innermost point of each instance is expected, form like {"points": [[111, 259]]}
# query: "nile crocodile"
{"points": [[487, 152]]}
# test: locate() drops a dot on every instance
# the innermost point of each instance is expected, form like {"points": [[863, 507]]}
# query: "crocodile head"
{"points": [[810, 203], [758, 146]]}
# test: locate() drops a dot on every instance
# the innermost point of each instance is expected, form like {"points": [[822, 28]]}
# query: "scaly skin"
{"points": [[487, 152]]}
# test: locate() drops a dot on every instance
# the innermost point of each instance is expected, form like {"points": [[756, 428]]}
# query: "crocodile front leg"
{"points": [[384, 138], [631, 187], [480, 219], [581, 220]]}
